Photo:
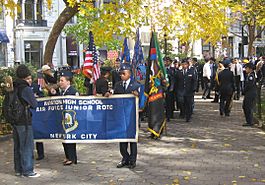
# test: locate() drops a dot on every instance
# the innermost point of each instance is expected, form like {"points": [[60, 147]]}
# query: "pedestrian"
{"points": [[250, 92], [66, 89], [226, 88], [237, 70], [22, 130], [207, 73], [127, 86]]}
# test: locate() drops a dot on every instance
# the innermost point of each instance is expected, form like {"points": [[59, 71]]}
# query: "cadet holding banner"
{"points": [[127, 86], [67, 89]]}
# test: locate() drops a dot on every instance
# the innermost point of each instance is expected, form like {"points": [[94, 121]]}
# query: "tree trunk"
{"points": [[251, 39], [57, 28]]}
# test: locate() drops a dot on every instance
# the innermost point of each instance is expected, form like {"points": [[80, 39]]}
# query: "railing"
{"points": [[27, 22]]}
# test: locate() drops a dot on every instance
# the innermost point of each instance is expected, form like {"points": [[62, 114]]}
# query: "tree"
{"points": [[64, 17], [187, 20], [251, 14]]}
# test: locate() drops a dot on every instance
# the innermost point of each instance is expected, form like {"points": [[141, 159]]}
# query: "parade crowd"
{"points": [[229, 79]]}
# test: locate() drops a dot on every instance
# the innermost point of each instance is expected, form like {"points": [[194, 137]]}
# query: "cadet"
{"points": [[250, 94], [67, 89], [226, 88], [127, 86], [170, 90], [102, 86]]}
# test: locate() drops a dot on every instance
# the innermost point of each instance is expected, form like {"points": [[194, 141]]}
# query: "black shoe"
{"points": [[132, 165], [204, 97], [39, 158], [122, 164], [208, 97], [221, 113], [227, 115], [187, 120], [247, 125]]}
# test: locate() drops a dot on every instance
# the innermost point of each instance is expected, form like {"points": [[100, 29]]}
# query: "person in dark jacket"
{"points": [[179, 86], [226, 88], [127, 86], [250, 91], [102, 87], [115, 73], [67, 89], [190, 85], [170, 89], [22, 130]]}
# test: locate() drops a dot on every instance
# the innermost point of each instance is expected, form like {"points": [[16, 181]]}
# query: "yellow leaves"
{"points": [[227, 145], [175, 181]]}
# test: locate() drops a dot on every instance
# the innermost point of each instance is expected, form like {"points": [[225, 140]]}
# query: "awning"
{"points": [[3, 37]]}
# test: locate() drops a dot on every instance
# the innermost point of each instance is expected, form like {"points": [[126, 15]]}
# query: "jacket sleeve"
{"points": [[28, 96]]}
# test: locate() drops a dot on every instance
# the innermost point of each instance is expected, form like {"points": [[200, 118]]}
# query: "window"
{"points": [[33, 53], [39, 10], [29, 10]]}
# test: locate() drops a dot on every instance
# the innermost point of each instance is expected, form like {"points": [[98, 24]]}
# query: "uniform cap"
{"points": [[226, 61], [66, 73], [249, 65], [125, 66]]}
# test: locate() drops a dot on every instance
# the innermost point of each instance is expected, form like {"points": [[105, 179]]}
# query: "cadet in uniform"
{"points": [[102, 86], [67, 89], [190, 85], [170, 89], [127, 86], [250, 91], [226, 88]]}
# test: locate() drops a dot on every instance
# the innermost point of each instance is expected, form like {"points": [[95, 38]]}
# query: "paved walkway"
{"points": [[210, 150]]}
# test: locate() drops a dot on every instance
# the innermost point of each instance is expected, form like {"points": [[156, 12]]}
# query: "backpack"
{"points": [[13, 109]]}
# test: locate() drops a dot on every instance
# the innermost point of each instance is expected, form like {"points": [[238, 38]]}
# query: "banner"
{"points": [[87, 119]]}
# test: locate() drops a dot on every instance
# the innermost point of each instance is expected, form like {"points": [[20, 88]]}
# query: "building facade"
{"points": [[23, 39]]}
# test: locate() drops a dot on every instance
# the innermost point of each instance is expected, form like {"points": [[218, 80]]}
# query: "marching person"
{"points": [[67, 89], [170, 89], [190, 85], [226, 88], [250, 91], [22, 130], [127, 86]]}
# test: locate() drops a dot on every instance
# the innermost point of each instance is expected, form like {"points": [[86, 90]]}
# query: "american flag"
{"points": [[91, 67]]}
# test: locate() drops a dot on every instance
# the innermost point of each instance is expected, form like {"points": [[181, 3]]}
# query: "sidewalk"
{"points": [[209, 150]]}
